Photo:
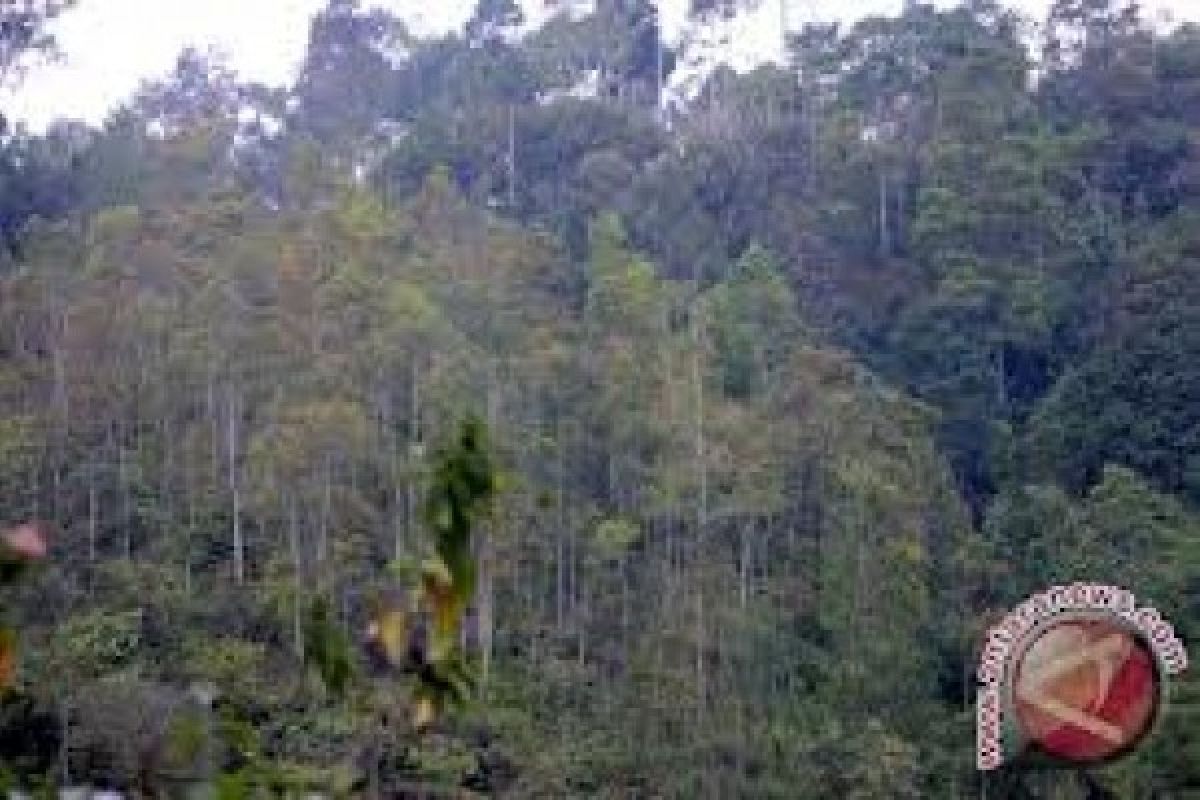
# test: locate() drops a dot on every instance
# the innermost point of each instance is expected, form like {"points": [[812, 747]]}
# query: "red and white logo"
{"points": [[1075, 674], [1085, 690]]}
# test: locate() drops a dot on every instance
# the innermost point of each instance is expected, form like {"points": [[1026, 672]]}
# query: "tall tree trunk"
{"points": [[743, 565], [239, 546], [485, 599], [323, 524], [885, 240], [293, 534], [64, 745], [702, 497], [93, 516], [660, 70], [414, 440], [560, 560], [214, 422], [126, 514], [512, 157], [486, 604]]}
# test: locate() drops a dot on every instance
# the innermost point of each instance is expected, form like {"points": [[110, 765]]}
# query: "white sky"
{"points": [[111, 45]]}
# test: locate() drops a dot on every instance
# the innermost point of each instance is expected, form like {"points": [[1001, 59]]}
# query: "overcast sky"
{"points": [[111, 45]]}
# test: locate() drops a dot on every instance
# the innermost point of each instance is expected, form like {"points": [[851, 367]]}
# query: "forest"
{"points": [[484, 415]]}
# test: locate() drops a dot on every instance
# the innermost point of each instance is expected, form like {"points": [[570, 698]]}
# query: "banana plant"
{"points": [[421, 635]]}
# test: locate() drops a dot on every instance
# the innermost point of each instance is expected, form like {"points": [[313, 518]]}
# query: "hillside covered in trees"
{"points": [[775, 396]]}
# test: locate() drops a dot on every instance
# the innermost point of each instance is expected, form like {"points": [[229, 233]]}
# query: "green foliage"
{"points": [[462, 485], [797, 375], [225, 662], [614, 536], [1133, 401], [327, 648], [99, 642], [752, 320]]}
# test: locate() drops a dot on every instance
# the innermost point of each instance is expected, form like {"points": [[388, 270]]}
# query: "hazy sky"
{"points": [[111, 45]]}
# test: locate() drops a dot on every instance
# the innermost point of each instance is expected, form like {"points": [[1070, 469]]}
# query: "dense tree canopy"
{"points": [[477, 417]]}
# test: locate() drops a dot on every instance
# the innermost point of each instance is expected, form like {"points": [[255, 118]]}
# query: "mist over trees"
{"points": [[466, 419]]}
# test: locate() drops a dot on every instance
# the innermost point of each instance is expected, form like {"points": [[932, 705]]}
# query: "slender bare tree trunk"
{"points": [[702, 497], [293, 532], [414, 439], [743, 565], [187, 542], [581, 617], [560, 586], [93, 517], [62, 403], [486, 599], [239, 546], [486, 609], [64, 747], [126, 515], [62, 397], [512, 157], [168, 465], [326, 510], [215, 426], [659, 69]]}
